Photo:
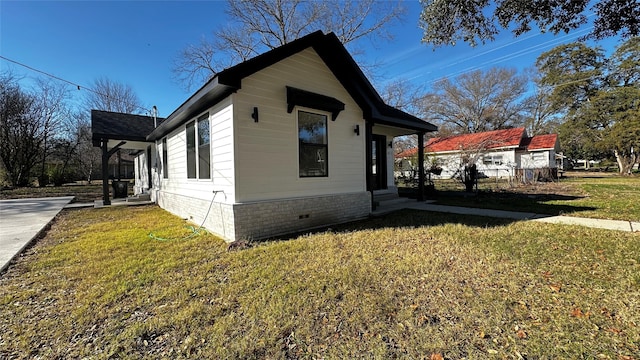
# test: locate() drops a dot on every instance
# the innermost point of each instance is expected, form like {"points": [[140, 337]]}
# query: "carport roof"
{"points": [[120, 126]]}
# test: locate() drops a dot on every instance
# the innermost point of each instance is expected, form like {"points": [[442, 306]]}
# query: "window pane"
{"points": [[313, 160], [312, 138], [191, 151], [165, 169], [204, 168], [312, 128]]}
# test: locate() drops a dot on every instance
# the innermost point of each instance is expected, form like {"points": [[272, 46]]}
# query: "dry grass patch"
{"points": [[82, 193], [405, 286]]}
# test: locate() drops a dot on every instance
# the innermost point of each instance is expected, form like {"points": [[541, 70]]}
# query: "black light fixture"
{"points": [[390, 144], [255, 114], [357, 130]]}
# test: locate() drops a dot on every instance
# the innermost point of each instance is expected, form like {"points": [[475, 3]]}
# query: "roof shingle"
{"points": [[120, 126]]}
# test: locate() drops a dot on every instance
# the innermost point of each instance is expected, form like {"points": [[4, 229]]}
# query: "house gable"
{"points": [[333, 54], [267, 152]]}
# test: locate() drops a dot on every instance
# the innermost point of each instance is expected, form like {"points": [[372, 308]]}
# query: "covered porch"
{"points": [[380, 156], [112, 132]]}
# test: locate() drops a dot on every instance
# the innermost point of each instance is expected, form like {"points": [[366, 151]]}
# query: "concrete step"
{"points": [[139, 197], [385, 196]]}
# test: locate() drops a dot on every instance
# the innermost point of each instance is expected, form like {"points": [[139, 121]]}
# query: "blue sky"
{"points": [[136, 42]]}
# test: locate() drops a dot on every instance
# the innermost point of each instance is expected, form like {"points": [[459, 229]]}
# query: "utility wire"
{"points": [[80, 87]]}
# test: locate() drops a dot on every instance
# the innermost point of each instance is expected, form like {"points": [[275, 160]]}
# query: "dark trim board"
{"points": [[314, 101]]}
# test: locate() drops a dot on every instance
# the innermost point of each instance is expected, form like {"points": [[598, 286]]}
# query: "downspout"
{"points": [[421, 166], [368, 136]]}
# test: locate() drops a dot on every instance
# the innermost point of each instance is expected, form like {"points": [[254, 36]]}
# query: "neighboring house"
{"points": [[293, 139], [498, 153]]}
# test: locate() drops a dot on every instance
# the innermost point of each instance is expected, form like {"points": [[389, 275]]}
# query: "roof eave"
{"points": [[208, 95]]}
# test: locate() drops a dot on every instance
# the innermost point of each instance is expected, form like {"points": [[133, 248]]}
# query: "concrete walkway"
{"points": [[21, 220], [568, 220]]}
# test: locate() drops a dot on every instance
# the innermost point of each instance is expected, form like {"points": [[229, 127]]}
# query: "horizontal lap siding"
{"points": [[222, 175], [528, 161], [222, 147], [267, 151]]}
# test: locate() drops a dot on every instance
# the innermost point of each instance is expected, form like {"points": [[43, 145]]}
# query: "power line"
{"points": [[80, 87]]}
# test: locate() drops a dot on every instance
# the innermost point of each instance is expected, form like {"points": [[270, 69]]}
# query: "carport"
{"points": [[112, 131]]}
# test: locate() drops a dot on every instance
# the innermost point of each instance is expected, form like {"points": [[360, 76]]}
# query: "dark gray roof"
{"points": [[120, 126], [335, 56]]}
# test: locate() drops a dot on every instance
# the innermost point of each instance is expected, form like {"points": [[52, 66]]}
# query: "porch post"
{"points": [[421, 166], [368, 137], [105, 173]]}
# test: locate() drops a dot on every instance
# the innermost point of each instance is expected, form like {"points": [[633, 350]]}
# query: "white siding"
{"points": [[141, 172], [266, 152], [450, 164], [510, 160], [537, 159], [222, 176]]}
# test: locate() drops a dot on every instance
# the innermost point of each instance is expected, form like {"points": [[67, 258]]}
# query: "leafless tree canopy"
{"points": [[478, 101], [261, 25], [542, 115], [109, 95], [405, 96]]}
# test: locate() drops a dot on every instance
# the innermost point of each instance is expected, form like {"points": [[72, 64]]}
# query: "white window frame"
{"points": [[196, 152], [493, 159]]}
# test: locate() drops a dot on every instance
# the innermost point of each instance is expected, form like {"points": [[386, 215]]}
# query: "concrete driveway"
{"points": [[21, 220]]}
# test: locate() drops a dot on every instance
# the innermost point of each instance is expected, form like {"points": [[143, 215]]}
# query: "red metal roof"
{"points": [[540, 142], [485, 140], [508, 138], [407, 153]]}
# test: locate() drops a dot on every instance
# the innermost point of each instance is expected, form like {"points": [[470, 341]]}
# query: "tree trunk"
{"points": [[625, 163], [470, 176]]}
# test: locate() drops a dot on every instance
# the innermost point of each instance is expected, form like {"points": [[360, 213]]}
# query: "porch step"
{"points": [[139, 197], [386, 196]]}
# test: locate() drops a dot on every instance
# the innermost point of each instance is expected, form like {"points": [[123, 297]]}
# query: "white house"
{"points": [[293, 139], [498, 153]]}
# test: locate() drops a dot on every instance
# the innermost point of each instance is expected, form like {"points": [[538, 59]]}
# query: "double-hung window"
{"points": [[537, 156], [492, 160], [165, 158], [199, 148], [312, 144]]}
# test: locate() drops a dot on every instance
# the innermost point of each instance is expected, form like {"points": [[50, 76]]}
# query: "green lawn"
{"points": [[408, 285], [604, 197]]}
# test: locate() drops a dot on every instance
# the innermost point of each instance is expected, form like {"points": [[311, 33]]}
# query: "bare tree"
{"points": [[541, 116], [109, 95], [51, 110], [478, 101], [82, 156], [406, 96], [266, 24], [20, 140]]}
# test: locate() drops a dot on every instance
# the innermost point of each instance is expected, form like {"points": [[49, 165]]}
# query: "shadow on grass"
{"points": [[406, 218], [537, 203], [418, 218]]}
